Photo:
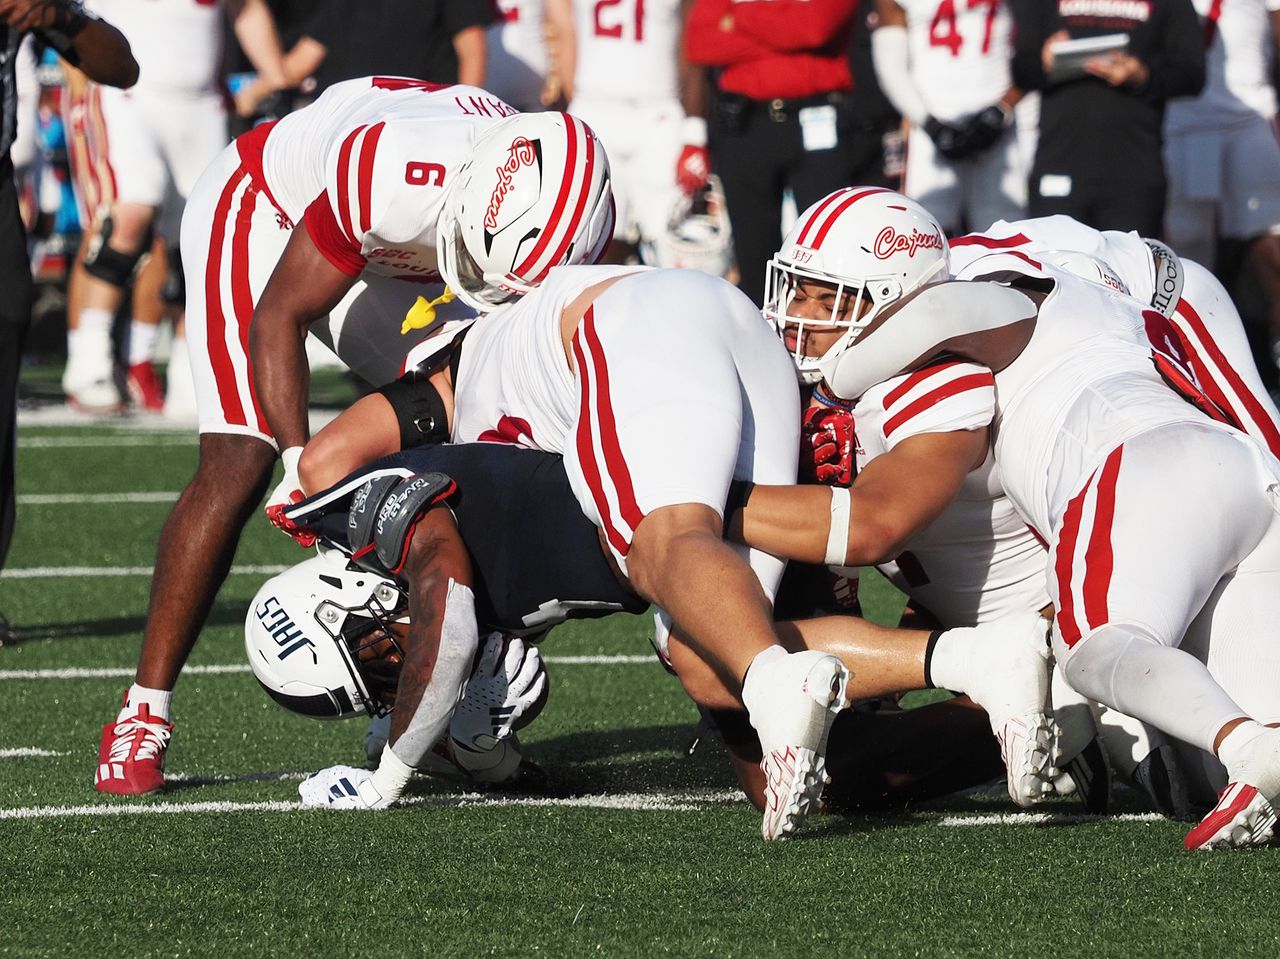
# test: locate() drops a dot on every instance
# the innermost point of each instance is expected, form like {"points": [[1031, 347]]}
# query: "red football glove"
{"points": [[693, 168], [826, 446], [287, 492]]}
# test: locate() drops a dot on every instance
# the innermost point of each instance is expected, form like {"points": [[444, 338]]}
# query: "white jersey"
{"points": [[177, 43], [1238, 54], [366, 166], [959, 53], [1084, 384], [977, 560], [516, 47], [627, 49], [514, 384]]}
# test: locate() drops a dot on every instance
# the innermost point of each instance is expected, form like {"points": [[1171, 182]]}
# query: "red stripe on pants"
{"points": [[1098, 558], [586, 449], [216, 321], [241, 293], [615, 462], [1062, 562]]}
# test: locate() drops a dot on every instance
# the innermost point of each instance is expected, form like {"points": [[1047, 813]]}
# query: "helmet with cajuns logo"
{"points": [[535, 194], [871, 244], [308, 630]]}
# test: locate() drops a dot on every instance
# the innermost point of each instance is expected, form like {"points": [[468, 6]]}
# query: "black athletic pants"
{"points": [[15, 318], [757, 150]]}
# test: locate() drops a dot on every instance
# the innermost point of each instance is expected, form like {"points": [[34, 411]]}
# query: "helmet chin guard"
{"points": [[871, 244], [536, 194], [306, 629]]}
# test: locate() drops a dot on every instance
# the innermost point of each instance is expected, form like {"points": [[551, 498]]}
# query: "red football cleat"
{"points": [[131, 756], [145, 388], [1243, 817]]}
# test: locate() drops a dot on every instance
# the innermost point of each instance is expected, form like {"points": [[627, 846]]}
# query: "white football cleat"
{"points": [[1243, 817], [792, 700], [1010, 680]]}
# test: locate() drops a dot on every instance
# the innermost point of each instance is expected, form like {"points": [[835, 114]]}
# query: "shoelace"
{"points": [[149, 739]]}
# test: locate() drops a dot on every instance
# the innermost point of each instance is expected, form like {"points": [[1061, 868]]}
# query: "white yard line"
{"points": [[121, 672], [89, 572], [24, 752], [104, 442], [71, 499], [1040, 818]]}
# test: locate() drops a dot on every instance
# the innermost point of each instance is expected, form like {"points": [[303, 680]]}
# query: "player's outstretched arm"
{"points": [[893, 498], [83, 40]]}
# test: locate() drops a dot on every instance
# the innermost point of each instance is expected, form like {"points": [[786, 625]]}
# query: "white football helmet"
{"points": [[305, 629], [535, 194], [868, 243], [697, 237]]}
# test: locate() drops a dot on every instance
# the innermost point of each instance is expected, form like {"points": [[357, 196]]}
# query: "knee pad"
{"points": [[108, 265], [174, 290]]}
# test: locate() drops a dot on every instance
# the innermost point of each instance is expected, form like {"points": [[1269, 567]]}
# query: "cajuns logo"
{"points": [[522, 153], [890, 241]]}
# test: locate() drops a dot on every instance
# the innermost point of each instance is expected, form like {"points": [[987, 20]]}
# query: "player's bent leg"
{"points": [[678, 561], [196, 547]]}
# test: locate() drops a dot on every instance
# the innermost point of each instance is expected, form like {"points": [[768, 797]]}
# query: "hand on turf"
{"points": [[826, 446], [506, 690], [286, 493], [341, 787]]}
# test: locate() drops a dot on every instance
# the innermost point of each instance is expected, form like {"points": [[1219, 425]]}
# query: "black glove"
{"points": [[983, 130], [948, 139]]}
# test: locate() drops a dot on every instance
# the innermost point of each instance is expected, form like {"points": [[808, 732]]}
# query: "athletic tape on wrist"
{"points": [[838, 534]]}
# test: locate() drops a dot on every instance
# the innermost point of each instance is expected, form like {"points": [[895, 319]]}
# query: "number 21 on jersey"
{"points": [[615, 23]]}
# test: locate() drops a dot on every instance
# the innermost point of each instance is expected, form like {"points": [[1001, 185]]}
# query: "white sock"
{"points": [[142, 342], [94, 320], [753, 683], [156, 700], [948, 665]]}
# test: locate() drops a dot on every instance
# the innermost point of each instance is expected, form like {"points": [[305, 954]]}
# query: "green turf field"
{"points": [[635, 851]]}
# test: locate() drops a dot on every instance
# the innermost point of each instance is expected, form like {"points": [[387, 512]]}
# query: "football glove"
{"points": [[984, 129], [505, 692], [692, 168], [286, 493], [342, 787], [826, 446]]}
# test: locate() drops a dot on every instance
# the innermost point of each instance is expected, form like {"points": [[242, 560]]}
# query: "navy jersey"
{"points": [[537, 560]]}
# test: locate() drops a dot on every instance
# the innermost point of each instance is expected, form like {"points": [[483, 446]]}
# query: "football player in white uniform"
{"points": [[944, 65], [326, 212], [1220, 147], [1097, 453], [622, 70], [516, 49], [166, 128]]}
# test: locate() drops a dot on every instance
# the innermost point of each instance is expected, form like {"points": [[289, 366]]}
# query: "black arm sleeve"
{"points": [[419, 410], [1176, 60]]}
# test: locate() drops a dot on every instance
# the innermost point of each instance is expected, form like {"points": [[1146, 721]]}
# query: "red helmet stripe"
{"points": [[823, 205], [562, 200], [575, 221], [835, 214]]}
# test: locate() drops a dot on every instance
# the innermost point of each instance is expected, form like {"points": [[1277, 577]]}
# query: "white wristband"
{"points": [[693, 131], [290, 459], [391, 776], [838, 535]]}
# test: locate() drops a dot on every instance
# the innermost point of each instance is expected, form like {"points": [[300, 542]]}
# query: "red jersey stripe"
{"points": [[224, 373], [962, 384], [1099, 561], [368, 150], [991, 243], [344, 182], [915, 379], [1257, 413]]}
